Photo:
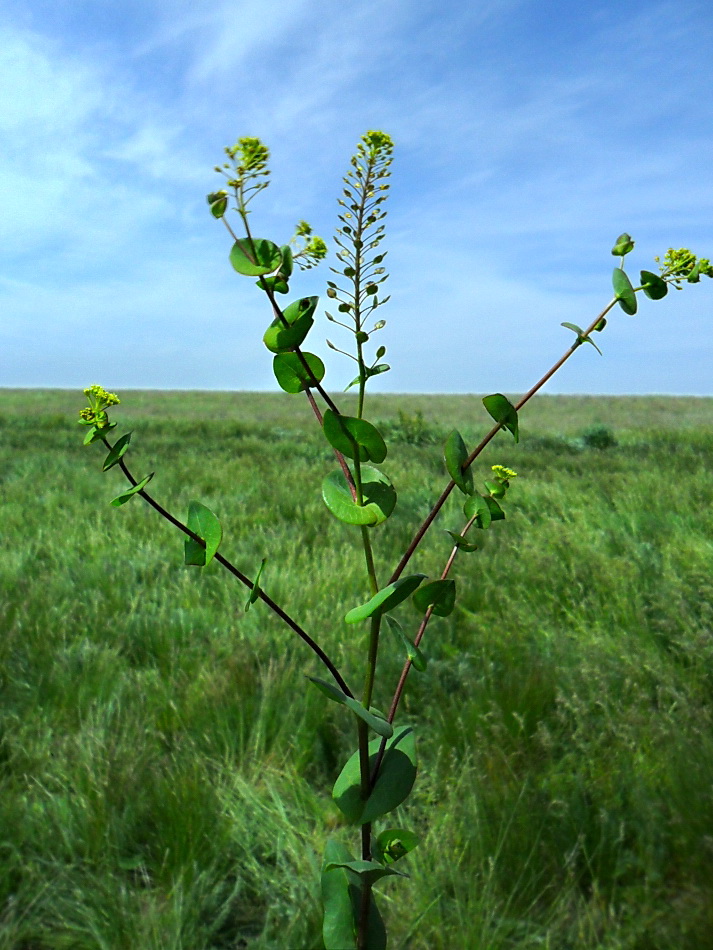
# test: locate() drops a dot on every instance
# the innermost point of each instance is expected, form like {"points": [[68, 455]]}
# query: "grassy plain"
{"points": [[165, 767]]}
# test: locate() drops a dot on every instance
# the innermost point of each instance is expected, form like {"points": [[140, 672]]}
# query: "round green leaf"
{"points": [[503, 411], [624, 291], [378, 492], [393, 843], [298, 316], [278, 284], [496, 512], [352, 436], [339, 926], [623, 245], [455, 454], [393, 784], [204, 523], [654, 287], [341, 898], [291, 374], [441, 594], [477, 505], [253, 260], [218, 208]]}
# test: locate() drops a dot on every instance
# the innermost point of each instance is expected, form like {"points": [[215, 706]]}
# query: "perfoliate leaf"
{"points": [[352, 436], [654, 287], [204, 523], [341, 899], [624, 291], [496, 489], [386, 599], [287, 264], [455, 454], [299, 317], [496, 512], [339, 929], [253, 260], [581, 338], [130, 492], [278, 284], [463, 543], [116, 452], [370, 371], [217, 208], [392, 786], [503, 411], [291, 374], [370, 870], [255, 591], [380, 726], [378, 493], [623, 245], [441, 594], [393, 843], [418, 660], [477, 505], [97, 433]]}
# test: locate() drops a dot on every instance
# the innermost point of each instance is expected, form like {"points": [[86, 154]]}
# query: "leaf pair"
{"points": [[380, 726], [393, 784], [288, 331], [202, 522], [378, 494], [353, 437]]}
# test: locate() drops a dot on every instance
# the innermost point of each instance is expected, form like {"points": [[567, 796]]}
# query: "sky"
{"points": [[528, 135]]}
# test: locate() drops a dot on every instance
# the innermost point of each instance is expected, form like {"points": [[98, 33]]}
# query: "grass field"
{"points": [[165, 767]]}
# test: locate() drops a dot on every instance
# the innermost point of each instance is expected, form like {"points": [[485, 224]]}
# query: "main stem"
{"points": [[365, 770]]}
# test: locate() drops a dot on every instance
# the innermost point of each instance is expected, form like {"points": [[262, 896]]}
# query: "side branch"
{"points": [[232, 569], [418, 537]]}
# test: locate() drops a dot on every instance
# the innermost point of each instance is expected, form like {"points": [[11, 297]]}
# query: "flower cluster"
{"points": [[503, 474], [247, 165], [313, 249], [682, 263], [99, 401]]}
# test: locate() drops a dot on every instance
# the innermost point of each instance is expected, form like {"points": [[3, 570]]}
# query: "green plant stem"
{"points": [[230, 567], [418, 537], [317, 385]]}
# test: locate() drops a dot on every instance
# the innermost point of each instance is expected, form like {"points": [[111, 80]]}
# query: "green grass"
{"points": [[165, 768]]}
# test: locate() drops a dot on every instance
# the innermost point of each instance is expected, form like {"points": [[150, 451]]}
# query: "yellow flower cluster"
{"points": [[99, 401], [503, 474], [99, 398]]}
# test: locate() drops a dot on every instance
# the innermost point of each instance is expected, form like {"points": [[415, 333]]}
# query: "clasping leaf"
{"points": [[204, 523], [377, 723], [503, 411], [386, 599]]}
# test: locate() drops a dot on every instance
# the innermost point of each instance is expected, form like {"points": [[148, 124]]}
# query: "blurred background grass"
{"points": [[165, 768]]}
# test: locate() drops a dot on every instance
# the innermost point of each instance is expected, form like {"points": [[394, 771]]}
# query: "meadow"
{"points": [[166, 768]]}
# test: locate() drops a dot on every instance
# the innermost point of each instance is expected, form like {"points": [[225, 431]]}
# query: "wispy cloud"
{"points": [[527, 136]]}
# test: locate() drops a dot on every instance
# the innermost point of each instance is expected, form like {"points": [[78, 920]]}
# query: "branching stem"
{"points": [[232, 569]]}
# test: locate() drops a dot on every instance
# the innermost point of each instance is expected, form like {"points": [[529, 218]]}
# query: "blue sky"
{"points": [[528, 133]]}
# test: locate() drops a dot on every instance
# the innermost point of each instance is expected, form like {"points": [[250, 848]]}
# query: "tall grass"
{"points": [[165, 767]]}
